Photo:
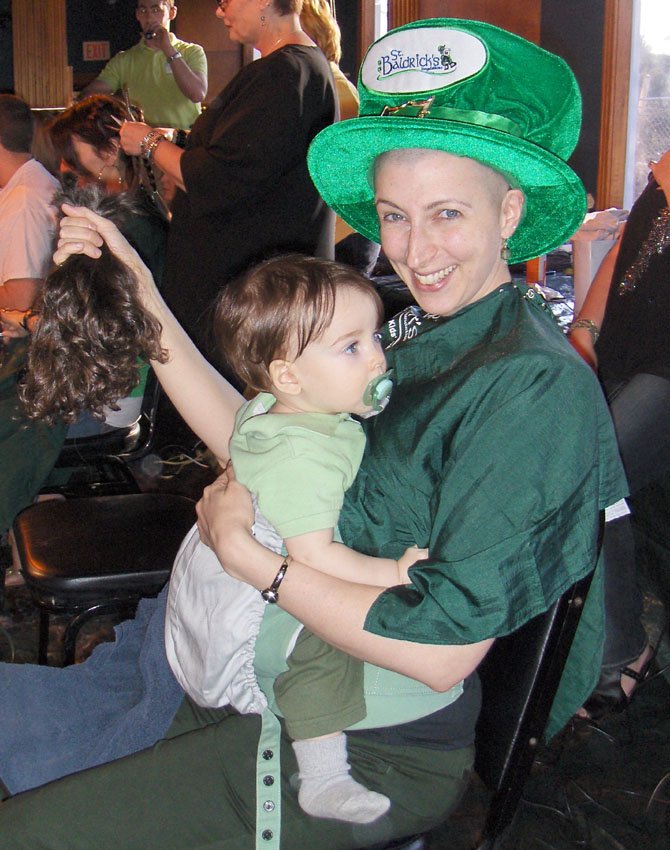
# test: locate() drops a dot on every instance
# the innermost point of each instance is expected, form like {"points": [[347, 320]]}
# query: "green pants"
{"points": [[195, 790], [322, 690]]}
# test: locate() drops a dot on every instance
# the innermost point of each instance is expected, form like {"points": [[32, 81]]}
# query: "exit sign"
{"points": [[95, 51]]}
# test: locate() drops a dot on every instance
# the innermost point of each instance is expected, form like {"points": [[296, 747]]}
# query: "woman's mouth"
{"points": [[434, 278]]}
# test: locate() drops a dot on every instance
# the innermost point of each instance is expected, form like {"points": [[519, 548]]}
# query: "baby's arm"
{"points": [[321, 552]]}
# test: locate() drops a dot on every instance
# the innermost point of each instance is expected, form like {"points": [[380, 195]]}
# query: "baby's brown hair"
{"points": [[276, 309]]}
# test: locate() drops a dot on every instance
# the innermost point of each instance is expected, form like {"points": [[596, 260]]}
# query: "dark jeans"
{"points": [[640, 409]]}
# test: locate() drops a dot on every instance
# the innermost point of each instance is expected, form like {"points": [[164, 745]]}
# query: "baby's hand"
{"points": [[411, 556]]}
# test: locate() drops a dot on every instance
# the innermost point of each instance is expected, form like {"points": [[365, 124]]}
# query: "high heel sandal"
{"points": [[609, 696]]}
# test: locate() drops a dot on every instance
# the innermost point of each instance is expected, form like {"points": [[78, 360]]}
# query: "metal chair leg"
{"points": [[43, 640], [125, 607]]}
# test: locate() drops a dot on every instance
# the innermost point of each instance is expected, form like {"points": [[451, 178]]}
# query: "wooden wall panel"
{"points": [[520, 18], [42, 76], [614, 103], [403, 11], [197, 21]]}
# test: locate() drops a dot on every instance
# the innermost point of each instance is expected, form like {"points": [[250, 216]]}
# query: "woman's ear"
{"points": [[283, 378], [511, 212], [111, 151]]}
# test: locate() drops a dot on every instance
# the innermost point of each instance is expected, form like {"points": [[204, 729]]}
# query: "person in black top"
{"points": [[244, 192], [622, 332]]}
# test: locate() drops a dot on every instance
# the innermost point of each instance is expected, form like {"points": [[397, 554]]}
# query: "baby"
{"points": [[301, 332]]}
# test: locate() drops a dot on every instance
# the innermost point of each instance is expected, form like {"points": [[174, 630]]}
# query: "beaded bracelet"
{"points": [[588, 325], [150, 142]]}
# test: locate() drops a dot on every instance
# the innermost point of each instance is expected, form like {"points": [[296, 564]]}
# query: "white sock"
{"points": [[326, 788]]}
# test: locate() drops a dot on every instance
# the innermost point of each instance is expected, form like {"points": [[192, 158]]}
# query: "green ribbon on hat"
{"points": [[425, 109]]}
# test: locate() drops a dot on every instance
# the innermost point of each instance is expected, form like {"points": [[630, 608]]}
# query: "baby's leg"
{"points": [[320, 694], [326, 788]]}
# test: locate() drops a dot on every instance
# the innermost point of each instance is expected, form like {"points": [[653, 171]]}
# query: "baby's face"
{"points": [[335, 369]]}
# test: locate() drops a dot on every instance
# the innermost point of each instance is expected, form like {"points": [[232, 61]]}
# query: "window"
{"points": [[649, 102]]}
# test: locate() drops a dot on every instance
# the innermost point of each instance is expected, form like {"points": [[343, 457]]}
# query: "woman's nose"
{"points": [[420, 248]]}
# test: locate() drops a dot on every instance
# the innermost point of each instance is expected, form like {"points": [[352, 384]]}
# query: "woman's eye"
{"points": [[450, 213], [392, 216]]}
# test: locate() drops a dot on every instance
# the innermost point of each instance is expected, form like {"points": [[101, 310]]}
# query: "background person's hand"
{"points": [[131, 134], [10, 322], [160, 41]]}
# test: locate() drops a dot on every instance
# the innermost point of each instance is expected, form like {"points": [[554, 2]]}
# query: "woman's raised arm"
{"points": [[205, 400]]}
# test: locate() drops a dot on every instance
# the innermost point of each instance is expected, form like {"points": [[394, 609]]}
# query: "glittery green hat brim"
{"points": [[341, 160]]}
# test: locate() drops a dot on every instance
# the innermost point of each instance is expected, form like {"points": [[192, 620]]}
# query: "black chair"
{"points": [[97, 555], [520, 676], [98, 464]]}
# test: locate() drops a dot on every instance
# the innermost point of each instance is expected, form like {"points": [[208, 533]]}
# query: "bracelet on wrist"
{"points": [[588, 325], [27, 316], [179, 138], [176, 55], [271, 594], [150, 142]]}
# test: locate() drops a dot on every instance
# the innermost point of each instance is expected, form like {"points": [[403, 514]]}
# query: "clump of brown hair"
{"points": [[276, 309], [93, 331]]}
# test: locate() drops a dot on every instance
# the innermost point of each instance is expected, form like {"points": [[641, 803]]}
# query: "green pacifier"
{"points": [[377, 393]]}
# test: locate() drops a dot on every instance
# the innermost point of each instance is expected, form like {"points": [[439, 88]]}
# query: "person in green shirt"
{"points": [[457, 163], [163, 75]]}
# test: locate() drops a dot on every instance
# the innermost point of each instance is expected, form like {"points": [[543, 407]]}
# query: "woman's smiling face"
{"points": [[443, 219]]}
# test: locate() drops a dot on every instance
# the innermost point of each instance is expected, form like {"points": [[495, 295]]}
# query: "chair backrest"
{"points": [[129, 443], [98, 465], [520, 676]]}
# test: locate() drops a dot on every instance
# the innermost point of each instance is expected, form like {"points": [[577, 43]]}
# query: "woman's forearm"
{"points": [[333, 609], [593, 309], [167, 157]]}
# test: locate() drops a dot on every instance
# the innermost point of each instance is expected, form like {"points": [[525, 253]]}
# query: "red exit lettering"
{"points": [[95, 51]]}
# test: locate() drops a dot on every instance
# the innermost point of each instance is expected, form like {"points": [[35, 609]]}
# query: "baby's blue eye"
{"points": [[377, 336], [352, 348]]}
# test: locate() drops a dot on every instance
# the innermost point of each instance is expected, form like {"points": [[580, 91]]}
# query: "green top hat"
{"points": [[470, 89]]}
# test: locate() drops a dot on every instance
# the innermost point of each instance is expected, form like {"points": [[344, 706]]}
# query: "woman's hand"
{"points": [[131, 135], [84, 232], [10, 322], [225, 516]]}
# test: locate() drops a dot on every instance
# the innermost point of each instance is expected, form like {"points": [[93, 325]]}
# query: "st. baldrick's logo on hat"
{"points": [[414, 60]]}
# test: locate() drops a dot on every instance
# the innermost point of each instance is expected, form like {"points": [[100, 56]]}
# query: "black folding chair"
{"points": [[96, 555], [98, 464]]}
